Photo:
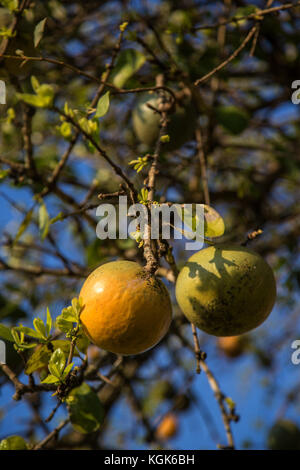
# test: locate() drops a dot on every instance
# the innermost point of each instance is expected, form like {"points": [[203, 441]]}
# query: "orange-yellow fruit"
{"points": [[168, 427], [125, 311], [231, 346], [226, 290]]}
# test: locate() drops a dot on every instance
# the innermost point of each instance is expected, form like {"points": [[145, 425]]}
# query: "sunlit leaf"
{"points": [[5, 333], [24, 225], [129, 62], [39, 31], [102, 106]]}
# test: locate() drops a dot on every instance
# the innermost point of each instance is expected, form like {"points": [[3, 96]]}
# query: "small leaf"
{"points": [[29, 332], [82, 343], [44, 221], [40, 327], [85, 409], [39, 359], [58, 217], [24, 225], [50, 379], [39, 31], [64, 325], [129, 62], [230, 403], [11, 5], [5, 333], [35, 83], [64, 345], [13, 443], [48, 323], [66, 129], [67, 370], [102, 106], [165, 138], [57, 363], [123, 26]]}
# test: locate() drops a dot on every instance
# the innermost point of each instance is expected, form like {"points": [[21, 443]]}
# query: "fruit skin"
{"points": [[125, 310], [226, 290], [168, 427], [231, 346], [180, 128], [284, 435]]}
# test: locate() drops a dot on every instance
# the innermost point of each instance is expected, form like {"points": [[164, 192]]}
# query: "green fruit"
{"points": [[226, 290], [233, 119], [284, 435], [181, 125]]}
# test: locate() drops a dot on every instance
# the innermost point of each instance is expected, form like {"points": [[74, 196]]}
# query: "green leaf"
{"points": [[5, 333], [85, 409], [233, 119], [58, 217], [129, 62], [29, 332], [69, 315], [12, 5], [64, 325], [102, 106], [50, 379], [44, 221], [13, 443], [39, 31], [245, 11], [40, 327], [42, 99], [24, 225], [82, 342], [4, 174], [41, 356], [67, 370], [35, 83], [65, 129], [39, 359], [48, 323], [32, 100], [213, 223], [57, 363]]}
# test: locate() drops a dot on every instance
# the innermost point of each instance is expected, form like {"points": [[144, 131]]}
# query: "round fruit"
{"points": [[180, 128], [125, 311], [231, 346], [226, 290], [284, 435], [168, 427]]}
